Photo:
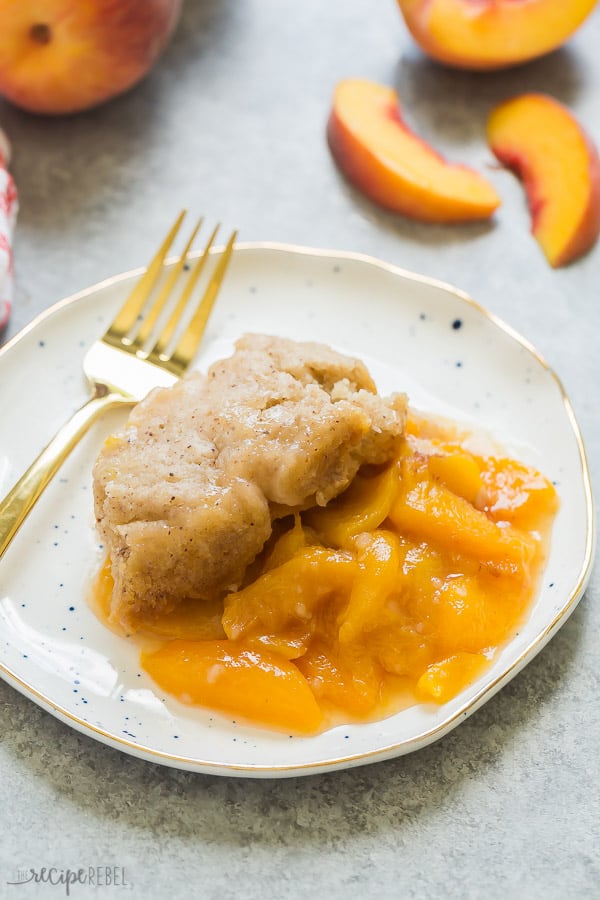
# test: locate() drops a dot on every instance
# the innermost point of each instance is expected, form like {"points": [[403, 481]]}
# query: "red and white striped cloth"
{"points": [[9, 206]]}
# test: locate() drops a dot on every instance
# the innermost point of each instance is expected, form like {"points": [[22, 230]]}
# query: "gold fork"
{"points": [[128, 361]]}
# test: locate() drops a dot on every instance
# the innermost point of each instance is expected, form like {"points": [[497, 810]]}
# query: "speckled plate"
{"points": [[417, 335]]}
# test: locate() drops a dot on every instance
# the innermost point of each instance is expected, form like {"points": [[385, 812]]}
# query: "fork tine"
{"points": [[160, 348], [127, 315], [149, 321], [186, 348]]}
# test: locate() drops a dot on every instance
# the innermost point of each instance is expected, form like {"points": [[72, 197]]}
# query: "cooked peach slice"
{"points": [[268, 606], [492, 34], [362, 507], [391, 165], [345, 677], [430, 512], [379, 560], [263, 687], [540, 139], [516, 493], [459, 471], [443, 680]]}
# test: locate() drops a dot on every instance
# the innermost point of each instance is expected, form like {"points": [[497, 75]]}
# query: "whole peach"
{"points": [[62, 56]]}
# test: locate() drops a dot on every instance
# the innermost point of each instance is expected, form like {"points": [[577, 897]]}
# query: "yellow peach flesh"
{"points": [[405, 613], [492, 34], [391, 165], [542, 141]]}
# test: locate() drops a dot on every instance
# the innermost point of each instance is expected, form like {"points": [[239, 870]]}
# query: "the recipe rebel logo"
{"points": [[92, 876]]}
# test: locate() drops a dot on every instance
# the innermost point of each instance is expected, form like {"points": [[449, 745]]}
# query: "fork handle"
{"points": [[20, 500]]}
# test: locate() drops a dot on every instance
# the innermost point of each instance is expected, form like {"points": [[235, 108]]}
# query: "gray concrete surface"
{"points": [[231, 122]]}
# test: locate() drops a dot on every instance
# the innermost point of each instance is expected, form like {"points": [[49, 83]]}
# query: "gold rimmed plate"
{"points": [[416, 335]]}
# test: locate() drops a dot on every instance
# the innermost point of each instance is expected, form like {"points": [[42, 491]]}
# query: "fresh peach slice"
{"points": [[384, 159], [543, 143], [492, 34]]}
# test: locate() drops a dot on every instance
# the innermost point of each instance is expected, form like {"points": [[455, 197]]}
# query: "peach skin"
{"points": [[392, 166], [62, 56], [492, 34], [540, 139]]}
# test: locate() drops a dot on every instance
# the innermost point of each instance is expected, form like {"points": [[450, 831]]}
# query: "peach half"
{"points": [[540, 139], [492, 34], [396, 169]]}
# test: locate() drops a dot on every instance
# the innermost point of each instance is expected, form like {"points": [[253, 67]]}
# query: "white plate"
{"points": [[417, 335]]}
